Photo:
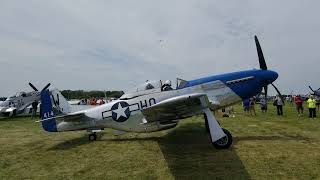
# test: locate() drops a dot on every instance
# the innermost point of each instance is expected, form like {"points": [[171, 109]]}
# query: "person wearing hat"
{"points": [[166, 86], [312, 107], [149, 85]]}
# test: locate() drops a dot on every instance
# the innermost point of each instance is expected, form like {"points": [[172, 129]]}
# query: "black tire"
{"points": [[225, 142], [92, 137], [206, 123], [14, 113]]}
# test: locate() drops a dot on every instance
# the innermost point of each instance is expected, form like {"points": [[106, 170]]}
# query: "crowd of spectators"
{"points": [[94, 101], [298, 101]]}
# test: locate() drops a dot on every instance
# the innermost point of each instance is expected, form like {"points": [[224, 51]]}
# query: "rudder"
{"points": [[47, 112], [60, 103]]}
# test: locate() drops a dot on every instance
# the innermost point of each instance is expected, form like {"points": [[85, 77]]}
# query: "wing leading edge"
{"points": [[185, 106], [177, 107]]}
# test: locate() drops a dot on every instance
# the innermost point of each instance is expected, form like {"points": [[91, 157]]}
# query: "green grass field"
{"points": [[265, 147]]}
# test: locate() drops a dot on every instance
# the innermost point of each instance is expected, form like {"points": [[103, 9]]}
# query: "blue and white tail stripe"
{"points": [[49, 125]]}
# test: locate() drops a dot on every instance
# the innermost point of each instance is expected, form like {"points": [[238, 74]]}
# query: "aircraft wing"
{"points": [[215, 103], [177, 107]]}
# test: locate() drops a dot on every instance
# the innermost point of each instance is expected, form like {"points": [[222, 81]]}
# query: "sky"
{"points": [[118, 44]]}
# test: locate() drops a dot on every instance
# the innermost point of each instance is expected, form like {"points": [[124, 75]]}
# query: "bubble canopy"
{"points": [[149, 87]]}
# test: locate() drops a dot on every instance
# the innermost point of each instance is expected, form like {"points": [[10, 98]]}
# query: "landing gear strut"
{"points": [[206, 123], [93, 136], [223, 143]]}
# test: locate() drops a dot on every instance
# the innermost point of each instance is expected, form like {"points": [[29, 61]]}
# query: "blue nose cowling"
{"points": [[269, 76]]}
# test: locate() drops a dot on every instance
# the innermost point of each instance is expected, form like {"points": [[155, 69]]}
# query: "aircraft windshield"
{"points": [[13, 96], [181, 83], [23, 94]]}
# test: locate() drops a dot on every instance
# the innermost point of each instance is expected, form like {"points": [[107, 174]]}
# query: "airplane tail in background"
{"points": [[47, 115], [52, 104], [60, 103]]}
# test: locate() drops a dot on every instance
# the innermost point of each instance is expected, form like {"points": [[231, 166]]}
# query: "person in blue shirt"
{"points": [[246, 105]]}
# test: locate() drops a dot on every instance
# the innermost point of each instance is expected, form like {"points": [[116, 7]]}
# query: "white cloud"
{"points": [[115, 44]]}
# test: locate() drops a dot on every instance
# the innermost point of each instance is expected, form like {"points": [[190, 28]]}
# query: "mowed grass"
{"points": [[265, 147]]}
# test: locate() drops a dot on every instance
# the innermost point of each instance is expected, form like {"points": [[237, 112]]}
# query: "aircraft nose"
{"points": [[270, 76]]}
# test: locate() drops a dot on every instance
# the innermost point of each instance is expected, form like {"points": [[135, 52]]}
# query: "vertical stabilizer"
{"points": [[60, 102], [47, 114]]}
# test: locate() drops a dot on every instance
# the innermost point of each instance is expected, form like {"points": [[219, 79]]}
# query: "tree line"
{"points": [[81, 94]]}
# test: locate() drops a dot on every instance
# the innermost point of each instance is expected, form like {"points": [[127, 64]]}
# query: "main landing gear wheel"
{"points": [[206, 123], [14, 113], [93, 137], [225, 142]]}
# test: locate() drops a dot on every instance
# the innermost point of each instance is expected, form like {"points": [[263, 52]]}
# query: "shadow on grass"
{"points": [[73, 143], [76, 142], [18, 118], [270, 138], [190, 155]]}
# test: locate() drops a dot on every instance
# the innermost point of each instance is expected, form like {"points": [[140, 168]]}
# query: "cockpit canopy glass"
{"points": [[148, 85], [156, 84]]}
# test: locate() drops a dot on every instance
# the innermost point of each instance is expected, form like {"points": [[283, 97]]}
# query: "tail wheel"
{"points": [[92, 137], [224, 142], [14, 113]]}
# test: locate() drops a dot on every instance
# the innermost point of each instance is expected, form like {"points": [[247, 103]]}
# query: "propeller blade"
{"points": [[46, 87], [262, 61], [278, 92], [311, 88], [33, 87]]}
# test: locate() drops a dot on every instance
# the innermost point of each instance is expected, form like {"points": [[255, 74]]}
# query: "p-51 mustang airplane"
{"points": [[19, 103], [151, 108]]}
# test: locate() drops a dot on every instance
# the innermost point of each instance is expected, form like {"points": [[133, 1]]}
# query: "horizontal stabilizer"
{"points": [[76, 117]]}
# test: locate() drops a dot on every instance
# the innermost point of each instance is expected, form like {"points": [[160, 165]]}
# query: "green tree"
{"points": [[81, 94]]}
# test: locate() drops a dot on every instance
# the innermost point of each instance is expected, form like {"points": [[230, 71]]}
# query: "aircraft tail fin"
{"points": [[60, 103], [47, 112]]}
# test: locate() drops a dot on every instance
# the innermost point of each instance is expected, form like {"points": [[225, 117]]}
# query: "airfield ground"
{"points": [[265, 147]]}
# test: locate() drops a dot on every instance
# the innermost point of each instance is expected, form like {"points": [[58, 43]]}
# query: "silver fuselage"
{"points": [[101, 116]]}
